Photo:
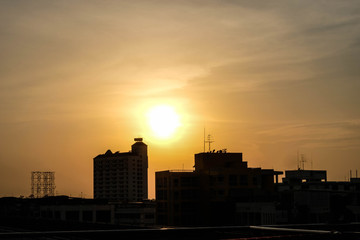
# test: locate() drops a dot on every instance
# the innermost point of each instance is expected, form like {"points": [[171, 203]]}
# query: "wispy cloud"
{"points": [[332, 135]]}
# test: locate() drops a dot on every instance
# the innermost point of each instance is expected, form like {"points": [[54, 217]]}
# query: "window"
{"points": [[255, 181], [176, 182], [220, 178], [176, 195], [243, 180], [212, 180], [165, 182], [232, 180]]}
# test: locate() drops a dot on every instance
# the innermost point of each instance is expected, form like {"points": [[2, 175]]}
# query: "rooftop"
{"points": [[109, 154]]}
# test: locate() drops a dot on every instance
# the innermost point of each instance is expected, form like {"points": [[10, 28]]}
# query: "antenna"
{"points": [[204, 139], [297, 160], [302, 161], [209, 141]]}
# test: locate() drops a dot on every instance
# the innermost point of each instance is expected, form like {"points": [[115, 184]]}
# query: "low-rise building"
{"points": [[306, 196], [79, 210]]}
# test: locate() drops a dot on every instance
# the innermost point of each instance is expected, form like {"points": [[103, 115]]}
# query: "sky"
{"points": [[270, 79]]}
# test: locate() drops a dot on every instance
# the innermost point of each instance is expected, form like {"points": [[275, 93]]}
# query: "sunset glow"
{"points": [[266, 78], [163, 121]]}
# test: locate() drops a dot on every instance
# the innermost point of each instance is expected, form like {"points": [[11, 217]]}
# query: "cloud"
{"points": [[332, 135], [341, 25]]}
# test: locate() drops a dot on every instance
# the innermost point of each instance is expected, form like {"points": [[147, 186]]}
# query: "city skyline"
{"points": [[268, 79]]}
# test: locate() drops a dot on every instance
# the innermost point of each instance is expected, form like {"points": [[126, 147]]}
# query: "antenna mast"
{"points": [[209, 141], [303, 160], [297, 160], [204, 139]]}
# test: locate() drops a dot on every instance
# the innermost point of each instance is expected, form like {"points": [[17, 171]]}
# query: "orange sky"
{"points": [[266, 78]]}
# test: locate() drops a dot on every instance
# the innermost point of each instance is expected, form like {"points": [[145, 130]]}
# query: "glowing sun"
{"points": [[163, 121]]}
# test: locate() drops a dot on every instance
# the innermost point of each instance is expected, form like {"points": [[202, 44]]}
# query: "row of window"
{"points": [[121, 185], [118, 194], [113, 169], [117, 191], [118, 176], [231, 180]]}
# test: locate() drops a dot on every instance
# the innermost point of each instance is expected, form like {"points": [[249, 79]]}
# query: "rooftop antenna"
{"points": [[297, 160], [209, 141], [204, 139], [302, 161]]}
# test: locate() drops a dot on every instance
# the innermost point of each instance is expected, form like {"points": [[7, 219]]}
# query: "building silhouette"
{"points": [[306, 196], [77, 211], [222, 190], [122, 176]]}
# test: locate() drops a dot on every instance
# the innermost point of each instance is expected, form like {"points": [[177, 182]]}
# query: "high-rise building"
{"points": [[122, 176]]}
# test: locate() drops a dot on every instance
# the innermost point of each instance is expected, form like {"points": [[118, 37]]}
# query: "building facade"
{"points": [[79, 210], [122, 176], [306, 196], [222, 190]]}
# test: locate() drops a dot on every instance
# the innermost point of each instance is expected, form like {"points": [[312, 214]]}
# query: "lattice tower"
{"points": [[42, 184]]}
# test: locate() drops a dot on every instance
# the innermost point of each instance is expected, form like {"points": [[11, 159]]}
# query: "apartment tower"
{"points": [[122, 176]]}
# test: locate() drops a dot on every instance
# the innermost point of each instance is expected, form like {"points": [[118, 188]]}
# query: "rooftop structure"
{"points": [[299, 176]]}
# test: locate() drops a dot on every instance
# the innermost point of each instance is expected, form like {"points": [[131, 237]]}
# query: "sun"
{"points": [[163, 121]]}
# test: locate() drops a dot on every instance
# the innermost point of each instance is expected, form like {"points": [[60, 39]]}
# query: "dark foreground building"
{"points": [[306, 196], [222, 190], [65, 218], [78, 211]]}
